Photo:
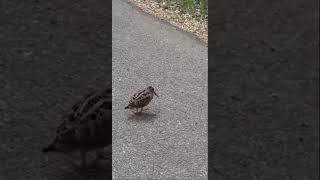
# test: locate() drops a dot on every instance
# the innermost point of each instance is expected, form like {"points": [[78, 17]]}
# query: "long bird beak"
{"points": [[155, 94], [49, 148]]}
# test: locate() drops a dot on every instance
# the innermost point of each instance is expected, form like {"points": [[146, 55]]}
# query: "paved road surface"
{"points": [[263, 85], [169, 141]]}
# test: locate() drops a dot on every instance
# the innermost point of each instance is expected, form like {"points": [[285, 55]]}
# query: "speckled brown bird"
{"points": [[87, 127], [141, 99]]}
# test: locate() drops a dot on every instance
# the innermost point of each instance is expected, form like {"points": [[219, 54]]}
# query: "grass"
{"points": [[189, 6]]}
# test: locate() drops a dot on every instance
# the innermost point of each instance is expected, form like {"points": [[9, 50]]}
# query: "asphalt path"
{"points": [[263, 90], [169, 140]]}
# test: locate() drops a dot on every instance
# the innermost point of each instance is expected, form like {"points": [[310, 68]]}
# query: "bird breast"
{"points": [[144, 100]]}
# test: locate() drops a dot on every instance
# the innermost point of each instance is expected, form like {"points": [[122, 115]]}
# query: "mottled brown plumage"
{"points": [[87, 127], [141, 98]]}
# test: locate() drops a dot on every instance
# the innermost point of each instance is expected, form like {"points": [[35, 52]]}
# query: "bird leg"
{"points": [[141, 109], [137, 111], [144, 109]]}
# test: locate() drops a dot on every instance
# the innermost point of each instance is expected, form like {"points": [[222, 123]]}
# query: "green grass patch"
{"points": [[189, 6]]}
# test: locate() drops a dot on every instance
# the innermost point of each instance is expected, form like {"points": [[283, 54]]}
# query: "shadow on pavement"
{"points": [[94, 170], [143, 116]]}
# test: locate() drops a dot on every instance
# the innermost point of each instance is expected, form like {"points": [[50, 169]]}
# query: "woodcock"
{"points": [[141, 99], [87, 127]]}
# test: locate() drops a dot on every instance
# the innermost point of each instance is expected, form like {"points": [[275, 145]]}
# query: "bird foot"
{"points": [[144, 109]]}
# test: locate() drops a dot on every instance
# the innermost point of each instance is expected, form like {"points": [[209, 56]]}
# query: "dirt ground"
{"points": [[51, 54], [264, 90]]}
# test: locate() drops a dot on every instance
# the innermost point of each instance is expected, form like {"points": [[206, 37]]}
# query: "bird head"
{"points": [[151, 89]]}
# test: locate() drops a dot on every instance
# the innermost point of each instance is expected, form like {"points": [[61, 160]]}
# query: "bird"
{"points": [[86, 127], [141, 99]]}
